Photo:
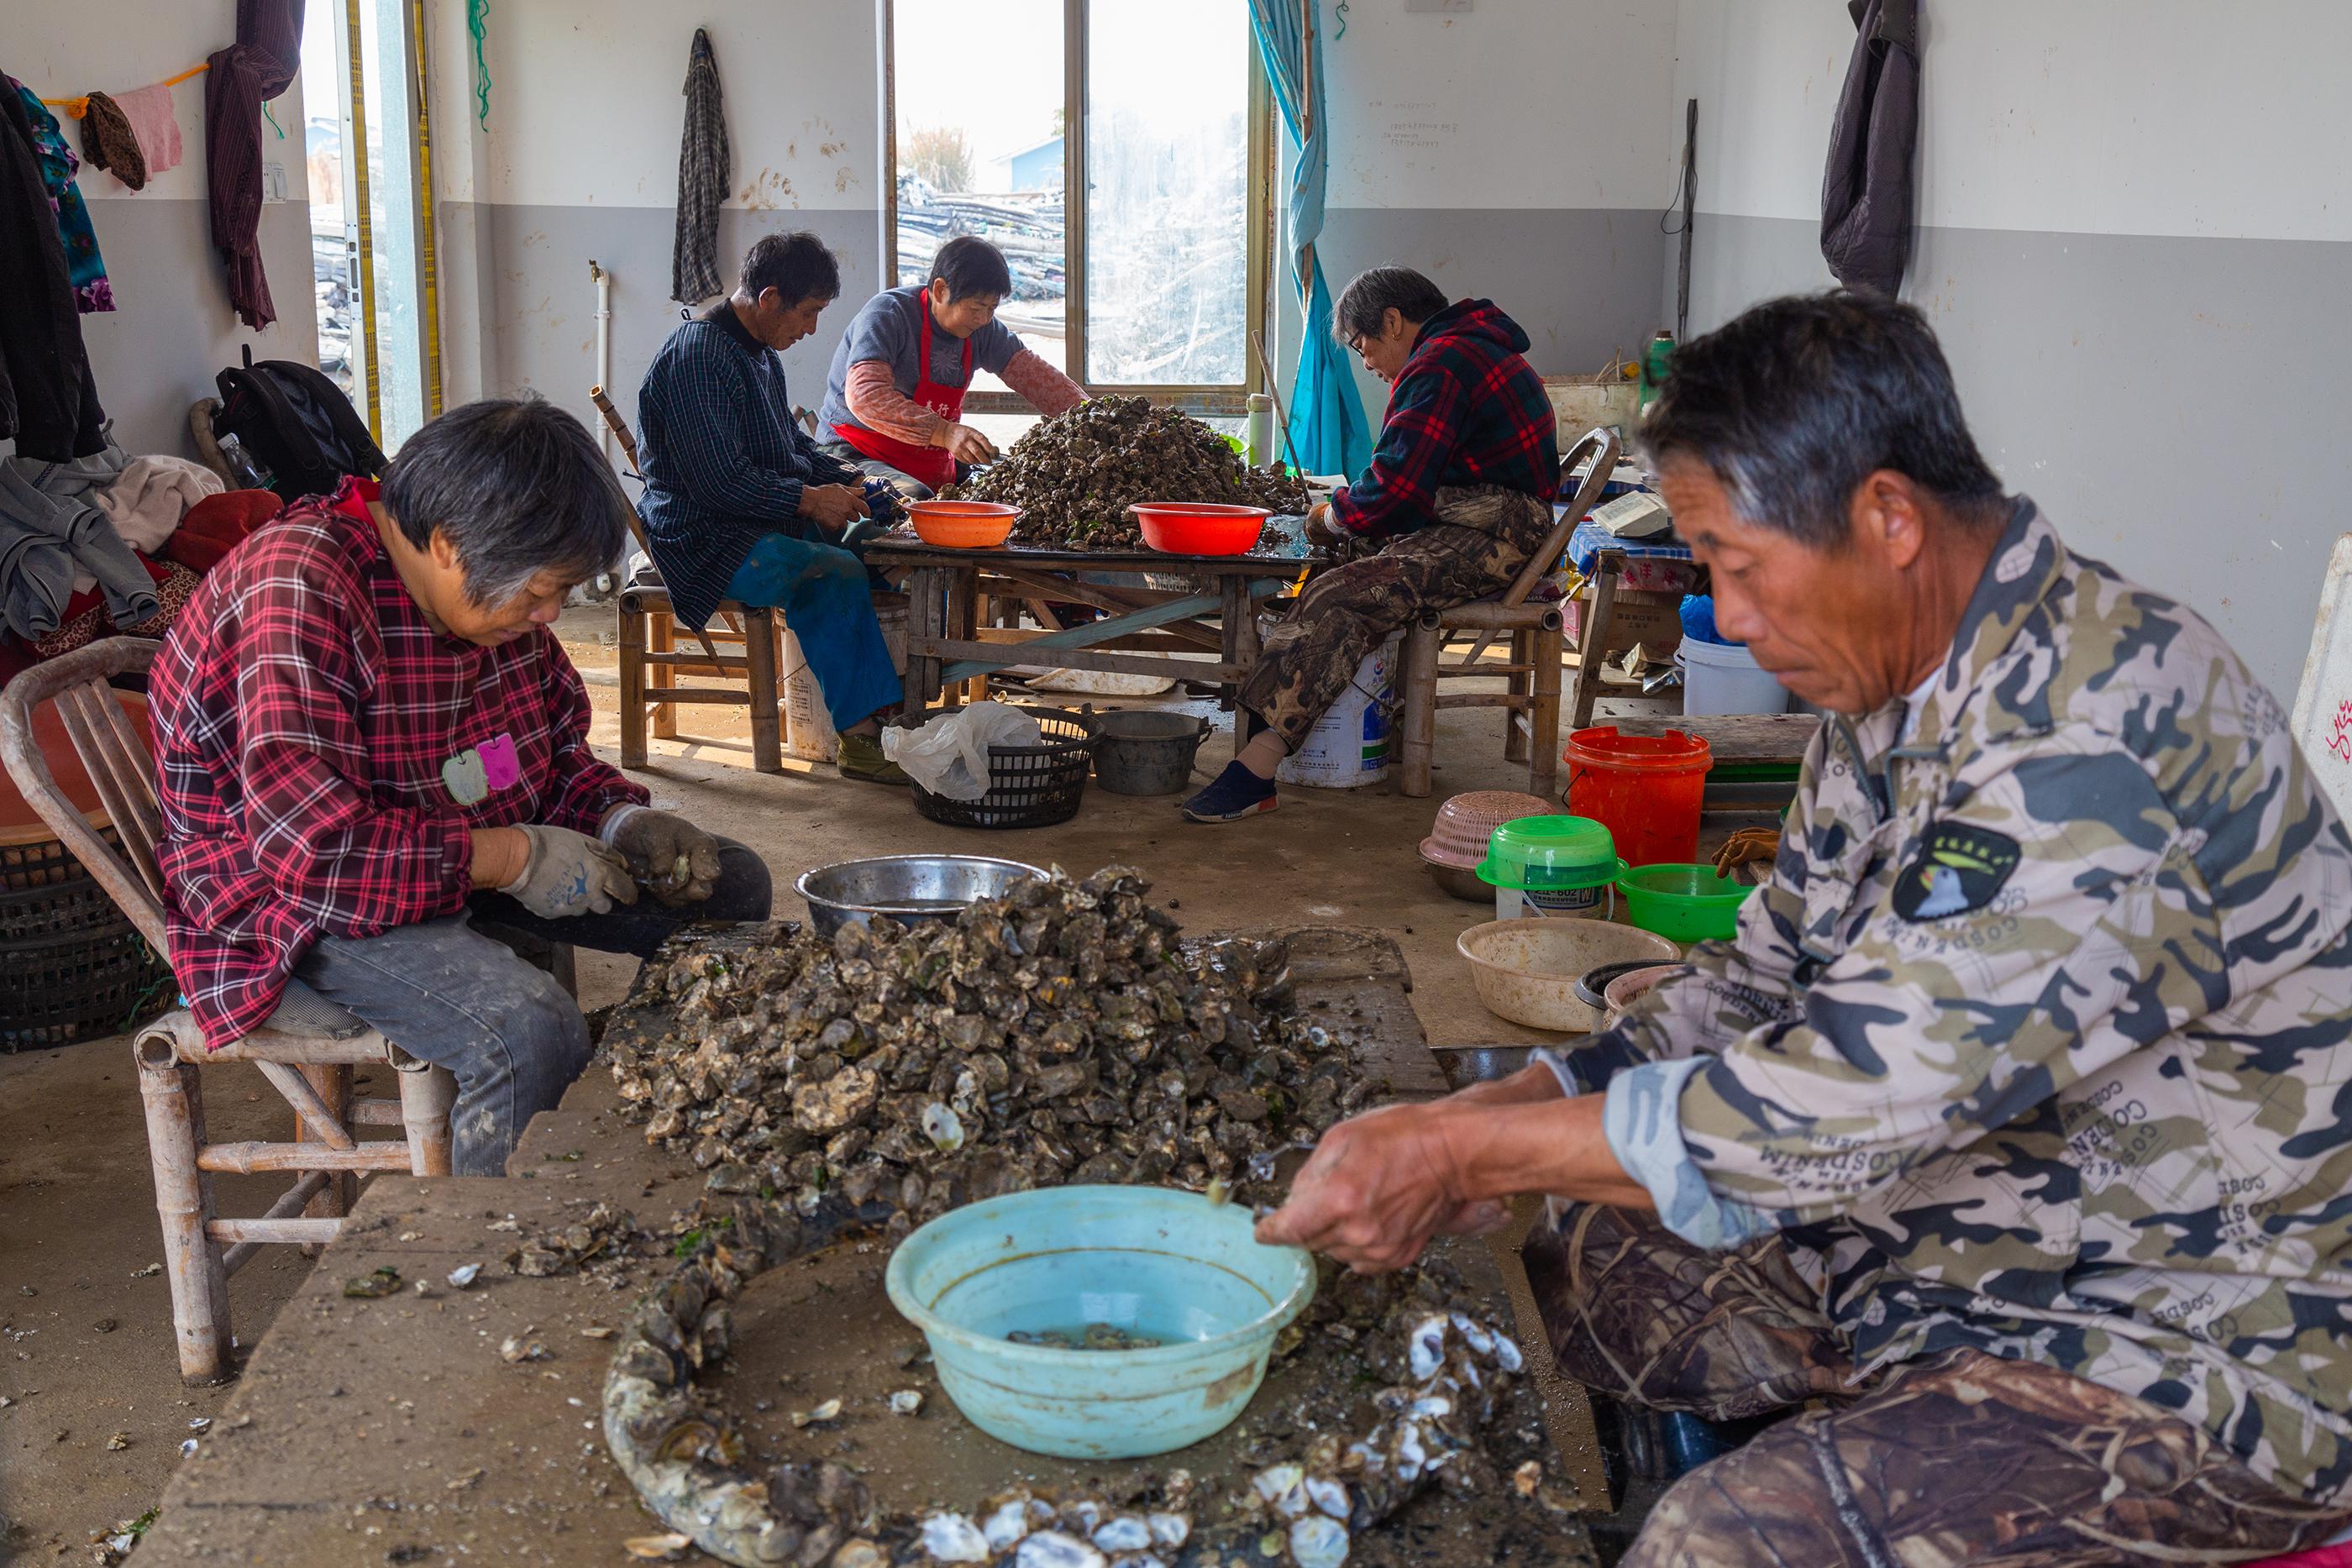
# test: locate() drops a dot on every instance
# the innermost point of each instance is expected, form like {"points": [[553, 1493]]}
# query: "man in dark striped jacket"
{"points": [[740, 503]]}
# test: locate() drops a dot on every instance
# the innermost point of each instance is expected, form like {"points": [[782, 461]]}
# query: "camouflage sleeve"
{"points": [[2051, 920]]}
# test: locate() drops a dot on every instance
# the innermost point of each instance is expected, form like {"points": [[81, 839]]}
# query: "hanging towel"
{"points": [[109, 142], [85, 268], [155, 124], [47, 402], [46, 505], [243, 76], [704, 168], [146, 503]]}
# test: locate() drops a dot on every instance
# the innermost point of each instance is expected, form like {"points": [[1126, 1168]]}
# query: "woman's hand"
{"points": [[1322, 528]]}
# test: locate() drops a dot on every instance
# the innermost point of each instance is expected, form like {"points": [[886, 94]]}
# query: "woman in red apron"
{"points": [[886, 414]]}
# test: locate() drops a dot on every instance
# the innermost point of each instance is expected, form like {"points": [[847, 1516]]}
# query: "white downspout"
{"points": [[603, 351]]}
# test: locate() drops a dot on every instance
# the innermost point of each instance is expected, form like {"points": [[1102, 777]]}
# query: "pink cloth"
{"points": [[155, 124]]}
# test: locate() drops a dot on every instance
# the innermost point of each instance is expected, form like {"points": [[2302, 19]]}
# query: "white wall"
{"points": [[173, 328], [2131, 235], [579, 161]]}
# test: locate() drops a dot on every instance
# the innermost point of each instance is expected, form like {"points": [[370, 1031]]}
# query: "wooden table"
{"points": [[374, 1431], [954, 594]]}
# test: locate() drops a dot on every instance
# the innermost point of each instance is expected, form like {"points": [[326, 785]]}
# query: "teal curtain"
{"points": [[1327, 422]]}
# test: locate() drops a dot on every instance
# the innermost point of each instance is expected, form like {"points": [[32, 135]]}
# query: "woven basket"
{"points": [[1028, 786], [72, 967]]}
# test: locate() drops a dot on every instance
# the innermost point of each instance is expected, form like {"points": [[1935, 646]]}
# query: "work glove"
{"points": [[570, 873], [1323, 528], [671, 858]]}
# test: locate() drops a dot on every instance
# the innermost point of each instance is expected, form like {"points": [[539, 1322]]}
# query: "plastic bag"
{"points": [[1698, 620], [949, 756]]}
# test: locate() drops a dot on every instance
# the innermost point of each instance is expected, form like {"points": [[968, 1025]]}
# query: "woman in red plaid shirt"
{"points": [[374, 755], [1456, 498]]}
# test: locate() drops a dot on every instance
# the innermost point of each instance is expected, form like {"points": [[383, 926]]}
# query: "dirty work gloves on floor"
{"points": [[671, 858], [570, 873]]}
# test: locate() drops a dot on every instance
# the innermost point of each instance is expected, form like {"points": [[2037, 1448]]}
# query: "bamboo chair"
{"points": [[647, 634], [307, 1050], [1531, 694]]}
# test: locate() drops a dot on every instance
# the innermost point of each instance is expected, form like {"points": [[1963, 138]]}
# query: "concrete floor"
{"points": [[77, 1218]]}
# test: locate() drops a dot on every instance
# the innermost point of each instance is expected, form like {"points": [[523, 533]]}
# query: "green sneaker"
{"points": [[860, 758]]}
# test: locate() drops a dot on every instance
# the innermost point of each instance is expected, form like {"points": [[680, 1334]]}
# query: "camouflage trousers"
{"points": [[1479, 541], [1956, 1458]]}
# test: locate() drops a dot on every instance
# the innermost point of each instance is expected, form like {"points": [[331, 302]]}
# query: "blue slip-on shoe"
{"points": [[1236, 794]]}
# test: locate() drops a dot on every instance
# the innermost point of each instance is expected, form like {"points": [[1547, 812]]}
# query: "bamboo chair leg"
{"points": [[333, 1086], [1421, 642], [633, 688], [1515, 741], [1549, 648], [767, 709], [662, 638], [183, 1204], [427, 1095]]}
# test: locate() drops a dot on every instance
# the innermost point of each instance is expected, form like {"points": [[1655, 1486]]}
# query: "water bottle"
{"points": [[1654, 361], [1258, 439], [243, 467]]}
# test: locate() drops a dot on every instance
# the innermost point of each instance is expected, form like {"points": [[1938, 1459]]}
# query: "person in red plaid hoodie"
{"points": [[1456, 498], [374, 767]]}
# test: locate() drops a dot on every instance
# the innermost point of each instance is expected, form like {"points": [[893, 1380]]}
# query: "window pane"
{"points": [[334, 233], [393, 218], [979, 87], [1167, 192]]}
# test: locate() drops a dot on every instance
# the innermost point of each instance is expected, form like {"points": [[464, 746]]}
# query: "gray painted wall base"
{"points": [[171, 329], [2175, 404], [538, 317]]}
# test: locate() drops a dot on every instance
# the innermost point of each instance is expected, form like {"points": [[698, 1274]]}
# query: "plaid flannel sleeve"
{"points": [[356, 864], [585, 787], [1397, 491]]}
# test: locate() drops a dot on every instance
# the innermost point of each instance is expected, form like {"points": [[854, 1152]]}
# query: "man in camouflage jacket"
{"points": [[2011, 1134]]}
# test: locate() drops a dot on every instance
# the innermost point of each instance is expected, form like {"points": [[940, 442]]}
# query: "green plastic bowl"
{"points": [[1685, 902]]}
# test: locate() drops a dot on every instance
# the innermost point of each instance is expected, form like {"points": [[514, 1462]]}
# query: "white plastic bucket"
{"points": [[809, 734], [1719, 677], [1354, 743]]}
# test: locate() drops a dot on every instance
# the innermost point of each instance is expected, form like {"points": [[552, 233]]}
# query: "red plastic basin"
{"points": [[962, 525], [1200, 527]]}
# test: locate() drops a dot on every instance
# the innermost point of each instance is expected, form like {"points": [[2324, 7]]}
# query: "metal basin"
{"points": [[906, 887]]}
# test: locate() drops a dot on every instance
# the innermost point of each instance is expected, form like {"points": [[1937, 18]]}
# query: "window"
{"points": [[1137, 242], [370, 243]]}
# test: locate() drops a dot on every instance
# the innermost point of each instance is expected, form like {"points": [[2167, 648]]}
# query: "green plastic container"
{"points": [[1550, 865], [1685, 902]]}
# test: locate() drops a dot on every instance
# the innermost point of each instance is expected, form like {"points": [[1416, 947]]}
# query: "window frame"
{"points": [[1223, 400]]}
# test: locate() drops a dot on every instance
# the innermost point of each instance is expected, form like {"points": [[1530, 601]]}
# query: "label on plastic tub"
{"points": [[1554, 904]]}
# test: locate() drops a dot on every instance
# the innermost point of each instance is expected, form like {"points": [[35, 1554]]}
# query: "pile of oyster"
{"points": [[1075, 474], [1063, 1033]]}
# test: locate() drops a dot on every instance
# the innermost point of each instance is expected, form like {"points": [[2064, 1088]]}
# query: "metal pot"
{"points": [[906, 887]]}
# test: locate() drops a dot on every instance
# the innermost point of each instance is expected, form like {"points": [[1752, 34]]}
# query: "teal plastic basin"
{"points": [[1154, 1262]]}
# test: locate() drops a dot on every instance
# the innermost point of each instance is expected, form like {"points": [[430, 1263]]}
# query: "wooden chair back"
{"points": [[1601, 442], [112, 752]]}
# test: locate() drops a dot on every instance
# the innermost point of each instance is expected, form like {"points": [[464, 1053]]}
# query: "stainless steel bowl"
{"points": [[906, 887]]}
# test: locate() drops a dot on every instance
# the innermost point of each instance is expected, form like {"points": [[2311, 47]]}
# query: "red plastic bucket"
{"points": [[1644, 789]]}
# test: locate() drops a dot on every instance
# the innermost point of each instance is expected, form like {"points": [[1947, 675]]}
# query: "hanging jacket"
{"points": [[48, 402], [1866, 193]]}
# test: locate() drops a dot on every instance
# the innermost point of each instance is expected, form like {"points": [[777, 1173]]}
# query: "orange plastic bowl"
{"points": [[1200, 527], [962, 525]]}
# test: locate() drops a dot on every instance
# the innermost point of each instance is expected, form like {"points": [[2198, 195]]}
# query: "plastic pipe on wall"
{"points": [[603, 281]]}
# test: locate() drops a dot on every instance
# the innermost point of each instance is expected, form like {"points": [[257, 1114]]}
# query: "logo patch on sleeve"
{"points": [[1958, 870]]}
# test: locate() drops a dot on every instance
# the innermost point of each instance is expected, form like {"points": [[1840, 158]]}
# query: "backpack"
{"points": [[297, 424]]}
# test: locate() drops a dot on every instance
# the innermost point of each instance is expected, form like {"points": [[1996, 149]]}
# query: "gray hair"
{"points": [[517, 487], [1371, 294]]}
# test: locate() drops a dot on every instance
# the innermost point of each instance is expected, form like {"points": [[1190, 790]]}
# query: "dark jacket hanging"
{"points": [[268, 55], [704, 168], [48, 401], [1866, 193]]}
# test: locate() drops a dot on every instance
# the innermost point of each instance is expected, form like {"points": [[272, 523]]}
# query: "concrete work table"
{"points": [[391, 1430]]}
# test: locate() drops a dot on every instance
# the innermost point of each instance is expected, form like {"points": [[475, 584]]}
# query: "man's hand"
{"points": [[1376, 1190], [966, 445], [832, 507], [1322, 528], [670, 858], [570, 873]]}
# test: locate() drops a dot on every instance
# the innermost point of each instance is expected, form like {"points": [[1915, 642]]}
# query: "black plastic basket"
{"points": [[72, 967], [1028, 786]]}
